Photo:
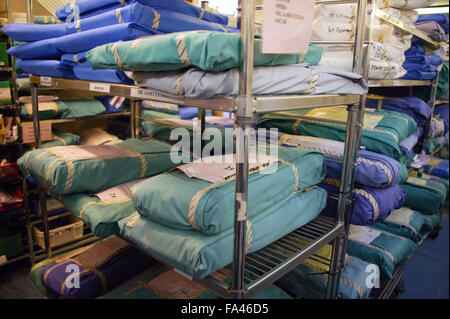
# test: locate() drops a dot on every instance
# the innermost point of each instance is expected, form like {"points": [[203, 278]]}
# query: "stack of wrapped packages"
{"points": [[337, 22]]}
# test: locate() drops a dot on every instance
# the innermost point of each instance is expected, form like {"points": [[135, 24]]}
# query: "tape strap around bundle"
{"points": [[353, 285], [138, 155], [116, 56], [119, 16], [379, 164], [202, 12], [78, 25], [198, 196], [177, 84], [70, 169], [222, 27], [49, 169], [123, 2], [133, 220], [314, 80], [75, 59], [182, 50], [371, 199], [86, 269], [157, 17], [60, 139], [43, 106]]}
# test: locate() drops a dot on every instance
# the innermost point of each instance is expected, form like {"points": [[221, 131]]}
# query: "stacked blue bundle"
{"points": [[421, 66], [93, 23], [440, 18]]}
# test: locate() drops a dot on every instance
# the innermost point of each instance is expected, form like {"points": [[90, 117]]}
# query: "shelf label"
{"points": [[396, 83], [46, 81], [145, 94], [99, 87], [287, 25]]}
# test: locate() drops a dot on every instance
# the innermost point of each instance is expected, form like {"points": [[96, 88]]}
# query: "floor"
{"points": [[426, 275]]}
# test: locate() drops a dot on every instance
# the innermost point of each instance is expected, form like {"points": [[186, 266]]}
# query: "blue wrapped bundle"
{"points": [[420, 66], [442, 112], [104, 266], [198, 255], [88, 8], [437, 167], [440, 18], [373, 169], [413, 106], [379, 247], [113, 104], [404, 222], [52, 68], [79, 42], [157, 19], [370, 205], [407, 145]]}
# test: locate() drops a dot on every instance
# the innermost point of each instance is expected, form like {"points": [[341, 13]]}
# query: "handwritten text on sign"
{"points": [[287, 25]]}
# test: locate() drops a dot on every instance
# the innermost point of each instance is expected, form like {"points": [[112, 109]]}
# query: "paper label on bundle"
{"points": [[92, 151], [215, 168], [402, 216], [287, 25], [116, 193], [340, 114], [363, 234], [324, 145], [43, 106], [5, 93]]}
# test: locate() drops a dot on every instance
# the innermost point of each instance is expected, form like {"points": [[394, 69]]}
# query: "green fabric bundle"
{"points": [[209, 207], [69, 109], [383, 130], [92, 168], [101, 214], [404, 222], [425, 195], [379, 247], [4, 60], [429, 223], [161, 282], [198, 254], [207, 50]]}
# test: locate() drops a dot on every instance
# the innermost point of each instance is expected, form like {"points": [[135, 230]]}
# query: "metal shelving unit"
{"points": [[252, 272]]}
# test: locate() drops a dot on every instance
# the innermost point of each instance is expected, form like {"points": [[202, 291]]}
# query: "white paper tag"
{"points": [[144, 93], [91, 151], [363, 234], [99, 87], [46, 81], [314, 142], [215, 168], [417, 181], [402, 216], [287, 25], [116, 193]]}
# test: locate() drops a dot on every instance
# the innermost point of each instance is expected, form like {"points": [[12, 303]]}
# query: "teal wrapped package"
{"points": [[68, 109], [430, 222], [208, 206], [102, 211], [379, 247], [404, 222], [92, 168], [198, 255], [208, 50], [382, 130]]}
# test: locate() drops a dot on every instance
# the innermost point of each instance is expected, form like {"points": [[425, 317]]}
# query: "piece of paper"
{"points": [[340, 114], [287, 25], [215, 168], [363, 234], [92, 151], [417, 181], [332, 147], [116, 193], [402, 216]]}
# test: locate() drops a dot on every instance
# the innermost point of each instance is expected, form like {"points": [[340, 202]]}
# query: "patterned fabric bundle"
{"points": [[101, 267], [379, 247], [156, 19], [74, 169], [404, 222], [208, 50], [370, 205], [424, 194], [437, 167], [309, 280], [373, 169], [160, 282], [68, 109], [103, 210], [413, 106], [382, 130], [79, 42], [204, 205], [198, 254], [268, 80]]}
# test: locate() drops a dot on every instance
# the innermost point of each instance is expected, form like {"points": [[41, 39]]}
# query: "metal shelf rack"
{"points": [[253, 272]]}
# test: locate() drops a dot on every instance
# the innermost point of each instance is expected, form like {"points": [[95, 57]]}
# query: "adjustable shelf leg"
{"points": [[134, 121], [344, 203], [45, 222]]}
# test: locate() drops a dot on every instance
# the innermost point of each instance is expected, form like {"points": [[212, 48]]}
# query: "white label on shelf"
{"points": [[396, 83], [46, 81], [287, 25], [363, 234], [99, 87], [144, 93]]}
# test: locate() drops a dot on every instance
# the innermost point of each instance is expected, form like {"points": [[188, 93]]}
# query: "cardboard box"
{"points": [[28, 132]]}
